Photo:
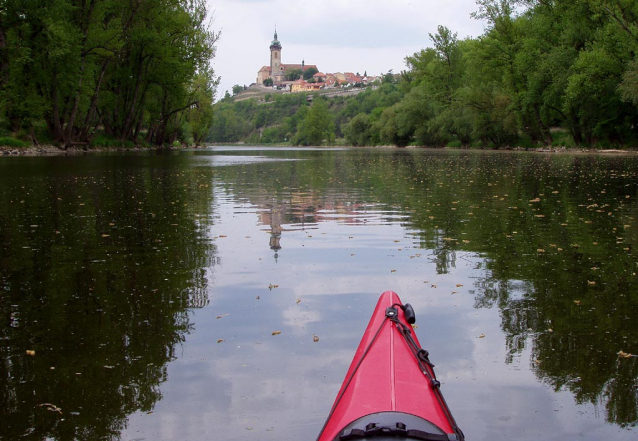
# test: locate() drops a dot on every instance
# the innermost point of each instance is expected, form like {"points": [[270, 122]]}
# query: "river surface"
{"points": [[221, 294]]}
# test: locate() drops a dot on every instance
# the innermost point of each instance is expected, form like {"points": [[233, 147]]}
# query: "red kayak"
{"points": [[390, 391]]}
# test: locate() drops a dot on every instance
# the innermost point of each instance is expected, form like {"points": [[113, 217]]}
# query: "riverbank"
{"points": [[53, 150]]}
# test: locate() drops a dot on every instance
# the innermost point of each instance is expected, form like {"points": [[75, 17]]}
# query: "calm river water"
{"points": [[177, 296]]}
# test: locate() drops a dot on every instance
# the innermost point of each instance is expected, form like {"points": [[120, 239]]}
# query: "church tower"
{"points": [[276, 70]]}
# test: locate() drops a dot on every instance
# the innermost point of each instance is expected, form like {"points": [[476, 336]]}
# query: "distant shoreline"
{"points": [[45, 150], [50, 150]]}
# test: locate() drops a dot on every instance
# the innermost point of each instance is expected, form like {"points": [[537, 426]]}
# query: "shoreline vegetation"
{"points": [[543, 76], [45, 150], [106, 73]]}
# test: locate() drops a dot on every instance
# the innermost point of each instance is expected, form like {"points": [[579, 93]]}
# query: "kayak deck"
{"points": [[388, 390]]}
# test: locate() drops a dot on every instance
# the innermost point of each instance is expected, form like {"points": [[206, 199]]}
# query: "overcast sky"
{"points": [[336, 35]]}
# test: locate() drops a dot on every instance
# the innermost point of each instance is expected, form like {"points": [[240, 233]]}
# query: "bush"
{"points": [[562, 138], [7, 141], [110, 142]]}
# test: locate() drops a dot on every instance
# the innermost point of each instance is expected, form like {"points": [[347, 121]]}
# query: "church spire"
{"points": [[275, 44]]}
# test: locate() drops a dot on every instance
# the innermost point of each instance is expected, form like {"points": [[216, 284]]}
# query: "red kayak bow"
{"points": [[390, 391]]}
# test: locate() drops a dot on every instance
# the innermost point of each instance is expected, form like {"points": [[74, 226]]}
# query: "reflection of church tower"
{"points": [[276, 69], [276, 218]]}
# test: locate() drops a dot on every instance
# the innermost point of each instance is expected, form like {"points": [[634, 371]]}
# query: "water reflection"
{"points": [[555, 236], [125, 272], [99, 268]]}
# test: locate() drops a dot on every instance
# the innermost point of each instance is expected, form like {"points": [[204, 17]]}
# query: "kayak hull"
{"points": [[386, 390]]}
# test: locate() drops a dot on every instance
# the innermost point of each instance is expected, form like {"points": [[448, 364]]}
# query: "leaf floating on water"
{"points": [[31, 352], [577, 302], [257, 297], [393, 271], [481, 336], [591, 282], [298, 301], [106, 235], [276, 332], [432, 286], [315, 338], [51, 407], [458, 285], [220, 316], [220, 340], [622, 354], [271, 286]]}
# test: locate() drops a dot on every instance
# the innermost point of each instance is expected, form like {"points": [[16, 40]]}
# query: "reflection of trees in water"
{"points": [[515, 211], [574, 343], [555, 241], [102, 273]]}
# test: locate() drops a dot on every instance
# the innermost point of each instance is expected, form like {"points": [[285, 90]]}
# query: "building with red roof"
{"points": [[277, 70]]}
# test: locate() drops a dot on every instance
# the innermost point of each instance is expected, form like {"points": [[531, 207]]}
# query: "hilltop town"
{"points": [[304, 77]]}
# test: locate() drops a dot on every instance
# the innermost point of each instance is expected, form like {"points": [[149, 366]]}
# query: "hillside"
{"points": [[263, 116]]}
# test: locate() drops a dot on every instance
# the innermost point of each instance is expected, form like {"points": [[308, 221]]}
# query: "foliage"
{"points": [[309, 73], [130, 68], [317, 126], [7, 141], [543, 73], [294, 74], [237, 89]]}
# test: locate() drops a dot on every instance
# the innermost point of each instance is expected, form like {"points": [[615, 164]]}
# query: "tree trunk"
{"points": [[84, 133], [68, 132], [4, 64], [55, 123]]}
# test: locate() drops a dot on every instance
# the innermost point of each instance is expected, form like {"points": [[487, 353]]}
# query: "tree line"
{"points": [[544, 72], [102, 71]]}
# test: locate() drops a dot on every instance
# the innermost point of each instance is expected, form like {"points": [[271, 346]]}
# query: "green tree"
{"points": [[357, 131], [293, 74], [317, 126], [309, 73], [124, 66], [200, 114]]}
